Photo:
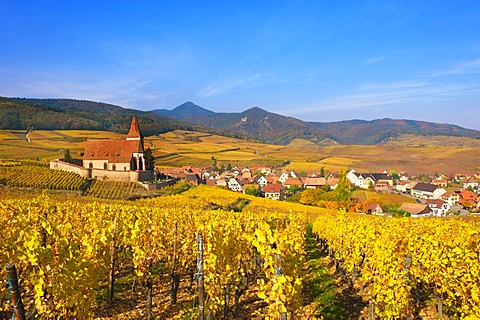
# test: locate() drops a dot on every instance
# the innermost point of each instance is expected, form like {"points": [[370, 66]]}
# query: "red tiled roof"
{"points": [[273, 188], [293, 182], [435, 203], [315, 181], [134, 129], [468, 195], [114, 151], [415, 208]]}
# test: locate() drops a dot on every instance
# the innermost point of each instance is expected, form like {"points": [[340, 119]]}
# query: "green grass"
{"points": [[323, 288], [320, 283]]}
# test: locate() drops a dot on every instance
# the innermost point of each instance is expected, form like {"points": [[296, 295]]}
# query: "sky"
{"points": [[314, 60]]}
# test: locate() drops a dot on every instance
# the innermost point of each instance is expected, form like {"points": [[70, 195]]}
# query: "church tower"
{"points": [[135, 133]]}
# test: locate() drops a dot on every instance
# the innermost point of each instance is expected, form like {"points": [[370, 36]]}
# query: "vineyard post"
{"points": [[12, 281], [111, 282], [175, 276], [278, 273], [371, 311], [201, 287], [408, 265]]}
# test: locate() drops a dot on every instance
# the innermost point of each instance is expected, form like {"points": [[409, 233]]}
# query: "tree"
{"points": [[309, 197], [322, 172], [343, 189], [229, 166], [214, 164], [251, 190], [66, 156], [149, 159]]}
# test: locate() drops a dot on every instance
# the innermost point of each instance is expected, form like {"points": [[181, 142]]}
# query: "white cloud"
{"points": [[228, 84], [400, 93], [373, 60], [469, 67]]}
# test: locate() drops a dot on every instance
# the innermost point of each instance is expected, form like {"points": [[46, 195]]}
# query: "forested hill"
{"points": [[381, 130], [265, 126], [274, 128], [63, 114], [255, 123]]}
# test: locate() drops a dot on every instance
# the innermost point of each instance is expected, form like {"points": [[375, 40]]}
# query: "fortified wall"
{"points": [[99, 174]]}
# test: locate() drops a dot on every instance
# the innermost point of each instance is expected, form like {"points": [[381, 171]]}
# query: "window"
{"points": [[105, 166], [114, 167], [90, 165]]}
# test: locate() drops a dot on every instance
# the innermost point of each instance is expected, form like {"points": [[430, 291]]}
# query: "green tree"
{"points": [[251, 190], [214, 164], [322, 172], [229, 166], [149, 159], [343, 189], [66, 156]]}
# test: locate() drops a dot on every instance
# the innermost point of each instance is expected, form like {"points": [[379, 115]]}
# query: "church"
{"points": [[113, 160], [117, 155]]}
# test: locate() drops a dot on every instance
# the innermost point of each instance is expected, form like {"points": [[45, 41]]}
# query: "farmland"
{"points": [[414, 154]]}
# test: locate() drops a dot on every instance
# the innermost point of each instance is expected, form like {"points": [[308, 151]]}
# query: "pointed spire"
{"points": [[134, 133]]}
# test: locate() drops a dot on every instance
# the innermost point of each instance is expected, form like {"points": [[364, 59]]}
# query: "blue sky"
{"points": [[314, 60]]}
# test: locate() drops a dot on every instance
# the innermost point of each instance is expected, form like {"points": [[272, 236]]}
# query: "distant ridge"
{"points": [[63, 114], [254, 123], [275, 128], [261, 124]]}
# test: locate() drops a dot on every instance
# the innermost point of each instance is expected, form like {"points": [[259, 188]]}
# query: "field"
{"points": [[413, 154]]}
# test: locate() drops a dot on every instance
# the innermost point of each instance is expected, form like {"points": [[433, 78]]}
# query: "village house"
{"points": [[193, 179], [374, 208], [274, 191], [260, 180], [314, 183], [440, 182], [401, 186], [467, 198], [291, 182], [283, 177], [366, 180], [234, 185], [451, 198], [471, 182], [416, 210], [427, 191], [438, 207]]}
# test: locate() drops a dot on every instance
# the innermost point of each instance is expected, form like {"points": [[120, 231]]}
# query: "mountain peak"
{"points": [[185, 111]]}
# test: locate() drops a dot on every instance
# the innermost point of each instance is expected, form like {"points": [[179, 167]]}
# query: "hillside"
{"points": [[266, 126], [382, 130], [252, 124], [274, 128], [68, 114]]}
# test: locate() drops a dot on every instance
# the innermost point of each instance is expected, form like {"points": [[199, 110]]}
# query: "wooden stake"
{"points": [[111, 279], [12, 280], [200, 279]]}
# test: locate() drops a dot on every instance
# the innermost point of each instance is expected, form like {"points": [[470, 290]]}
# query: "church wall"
{"points": [[101, 174], [65, 166]]}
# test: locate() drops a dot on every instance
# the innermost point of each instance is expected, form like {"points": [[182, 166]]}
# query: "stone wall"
{"points": [[105, 175], [65, 166]]}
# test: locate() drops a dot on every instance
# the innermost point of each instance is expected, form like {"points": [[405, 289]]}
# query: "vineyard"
{"points": [[36, 174], [252, 265], [116, 190], [399, 264]]}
